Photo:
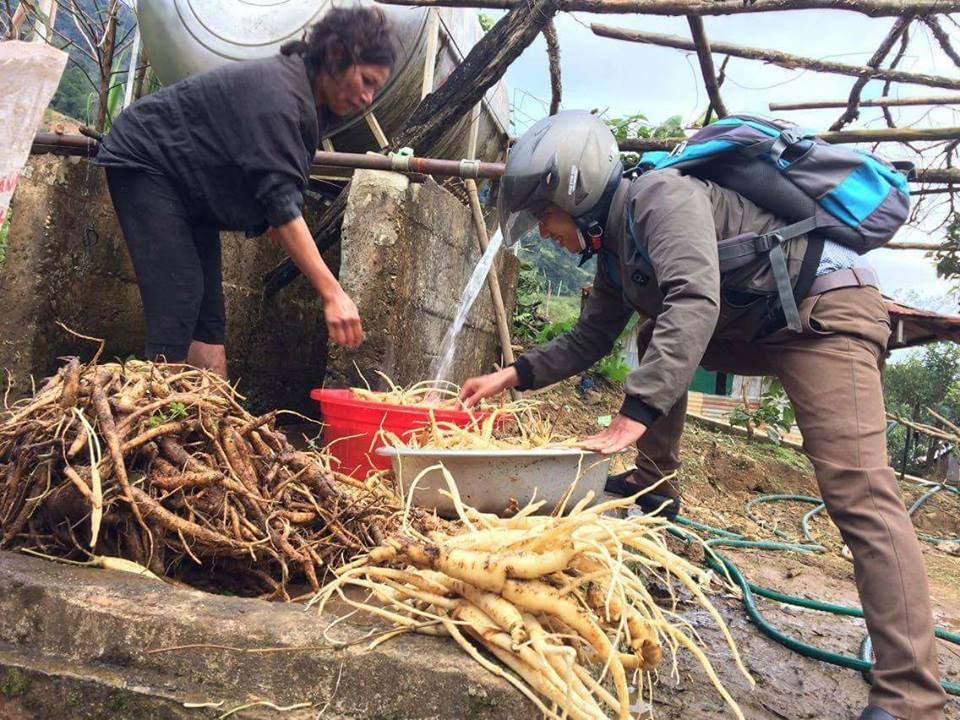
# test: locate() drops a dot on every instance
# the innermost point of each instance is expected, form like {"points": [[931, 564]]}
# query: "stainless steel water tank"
{"points": [[183, 37]]}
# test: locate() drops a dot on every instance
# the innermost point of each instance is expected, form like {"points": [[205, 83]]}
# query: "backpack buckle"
{"points": [[790, 136], [677, 149], [765, 243]]}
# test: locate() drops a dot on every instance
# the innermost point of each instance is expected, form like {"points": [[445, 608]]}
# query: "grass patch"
{"points": [[13, 684], [4, 232]]}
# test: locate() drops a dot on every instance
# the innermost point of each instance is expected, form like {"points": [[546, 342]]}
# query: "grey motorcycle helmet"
{"points": [[569, 159]]}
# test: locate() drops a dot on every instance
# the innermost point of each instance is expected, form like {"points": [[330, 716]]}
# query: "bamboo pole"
{"points": [[890, 135], [876, 102], [430, 59], [841, 137], [775, 57], [705, 56], [873, 8]]}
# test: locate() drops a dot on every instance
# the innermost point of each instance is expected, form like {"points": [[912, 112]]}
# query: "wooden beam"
{"points": [[480, 70], [705, 56], [941, 35], [377, 131], [493, 278], [876, 102], [841, 137], [775, 57], [912, 246], [851, 112], [938, 175], [873, 8]]}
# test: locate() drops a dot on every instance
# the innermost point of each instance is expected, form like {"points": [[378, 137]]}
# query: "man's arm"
{"points": [[675, 218]]}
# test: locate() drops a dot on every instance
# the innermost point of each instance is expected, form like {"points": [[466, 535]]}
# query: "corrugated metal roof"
{"points": [[913, 326]]}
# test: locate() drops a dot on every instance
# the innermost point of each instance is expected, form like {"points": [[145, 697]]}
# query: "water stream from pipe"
{"points": [[441, 366]]}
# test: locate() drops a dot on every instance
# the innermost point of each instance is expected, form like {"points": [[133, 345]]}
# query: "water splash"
{"points": [[441, 366]]}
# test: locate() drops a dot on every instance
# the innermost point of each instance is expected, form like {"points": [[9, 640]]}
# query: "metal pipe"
{"points": [[59, 144]]}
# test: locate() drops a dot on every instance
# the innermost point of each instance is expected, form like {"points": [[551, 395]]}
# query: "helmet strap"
{"points": [[591, 240]]}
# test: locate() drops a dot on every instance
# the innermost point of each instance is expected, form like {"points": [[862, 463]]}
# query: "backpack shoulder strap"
{"points": [[632, 230], [740, 250]]}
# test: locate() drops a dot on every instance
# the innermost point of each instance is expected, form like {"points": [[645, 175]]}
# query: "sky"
{"points": [[622, 78]]}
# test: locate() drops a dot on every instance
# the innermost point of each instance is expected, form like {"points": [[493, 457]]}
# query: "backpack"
{"points": [[846, 195]]}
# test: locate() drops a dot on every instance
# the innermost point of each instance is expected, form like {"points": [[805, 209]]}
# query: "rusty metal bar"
{"points": [[59, 144]]}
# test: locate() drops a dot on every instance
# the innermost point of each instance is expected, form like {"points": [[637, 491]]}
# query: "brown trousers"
{"points": [[831, 374]]}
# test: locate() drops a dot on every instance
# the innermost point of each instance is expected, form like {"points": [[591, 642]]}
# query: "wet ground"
{"points": [[720, 475]]}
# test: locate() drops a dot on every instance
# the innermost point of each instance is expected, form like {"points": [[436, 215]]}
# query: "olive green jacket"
{"points": [[667, 270]]}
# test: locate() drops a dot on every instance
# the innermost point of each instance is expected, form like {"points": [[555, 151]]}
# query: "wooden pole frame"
{"points": [[705, 56], [776, 57], [875, 102], [871, 8], [841, 137]]}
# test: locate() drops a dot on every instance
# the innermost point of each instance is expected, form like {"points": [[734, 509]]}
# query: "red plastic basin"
{"points": [[351, 427]]}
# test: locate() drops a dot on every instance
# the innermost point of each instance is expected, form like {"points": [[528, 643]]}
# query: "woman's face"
{"points": [[352, 90]]}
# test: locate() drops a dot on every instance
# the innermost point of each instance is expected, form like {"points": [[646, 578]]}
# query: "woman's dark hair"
{"points": [[345, 37]]}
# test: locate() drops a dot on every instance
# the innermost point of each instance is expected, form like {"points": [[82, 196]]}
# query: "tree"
{"points": [[948, 257], [930, 379], [72, 93], [638, 126]]}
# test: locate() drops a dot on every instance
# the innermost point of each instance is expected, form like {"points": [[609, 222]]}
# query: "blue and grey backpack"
{"points": [[849, 196]]}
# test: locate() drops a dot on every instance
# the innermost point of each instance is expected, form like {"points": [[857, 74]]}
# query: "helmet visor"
{"points": [[517, 226]]}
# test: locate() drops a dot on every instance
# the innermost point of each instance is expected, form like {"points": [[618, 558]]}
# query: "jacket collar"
{"points": [[615, 218]]}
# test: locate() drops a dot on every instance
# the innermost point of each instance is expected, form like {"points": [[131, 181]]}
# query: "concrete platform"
{"points": [[85, 644], [82, 643]]}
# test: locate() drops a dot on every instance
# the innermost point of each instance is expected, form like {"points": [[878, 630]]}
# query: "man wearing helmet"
{"points": [[656, 238]]}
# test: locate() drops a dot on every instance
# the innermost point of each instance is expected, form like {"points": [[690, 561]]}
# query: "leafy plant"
{"points": [[613, 368], [774, 412], [554, 329], [4, 233], [948, 257], [529, 320], [638, 126], [176, 409], [486, 22]]}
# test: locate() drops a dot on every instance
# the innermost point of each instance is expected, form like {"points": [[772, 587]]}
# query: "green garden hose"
{"points": [[723, 565]]}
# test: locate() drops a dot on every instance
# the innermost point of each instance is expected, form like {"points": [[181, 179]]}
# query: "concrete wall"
{"points": [[67, 261], [408, 251]]}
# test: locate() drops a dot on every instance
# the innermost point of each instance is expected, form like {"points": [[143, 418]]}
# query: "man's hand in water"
{"points": [[622, 433], [477, 388]]}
